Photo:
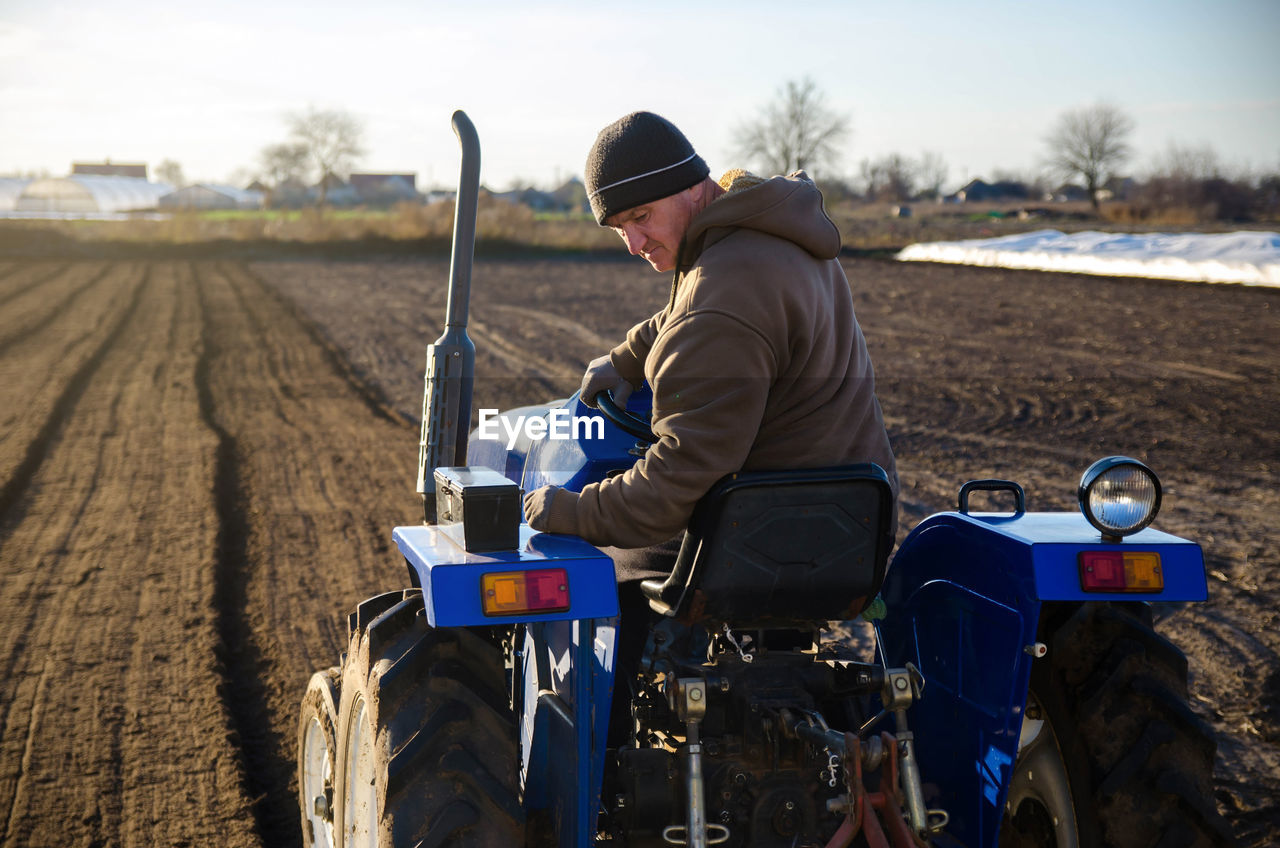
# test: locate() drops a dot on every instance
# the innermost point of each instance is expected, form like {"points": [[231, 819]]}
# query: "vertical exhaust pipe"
{"points": [[450, 373]]}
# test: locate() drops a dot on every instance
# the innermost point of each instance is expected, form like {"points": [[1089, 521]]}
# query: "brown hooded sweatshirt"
{"points": [[757, 362]]}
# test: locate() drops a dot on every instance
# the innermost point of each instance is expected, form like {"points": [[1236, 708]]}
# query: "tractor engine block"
{"points": [[761, 782]]}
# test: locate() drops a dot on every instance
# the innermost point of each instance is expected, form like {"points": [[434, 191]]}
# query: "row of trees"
{"points": [[797, 130], [1090, 145], [321, 144]]}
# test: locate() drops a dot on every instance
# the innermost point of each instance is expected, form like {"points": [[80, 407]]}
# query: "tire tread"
{"points": [[443, 729], [1150, 756]]}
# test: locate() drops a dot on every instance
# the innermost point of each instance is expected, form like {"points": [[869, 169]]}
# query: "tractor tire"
{"points": [[427, 747], [317, 757], [1118, 735]]}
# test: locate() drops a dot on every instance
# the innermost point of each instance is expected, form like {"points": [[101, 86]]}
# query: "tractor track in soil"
{"points": [[20, 476], [193, 492], [15, 284], [247, 580], [17, 484], [51, 311], [200, 463], [239, 657]]}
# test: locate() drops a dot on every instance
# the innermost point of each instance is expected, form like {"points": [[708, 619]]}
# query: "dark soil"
{"points": [[201, 461]]}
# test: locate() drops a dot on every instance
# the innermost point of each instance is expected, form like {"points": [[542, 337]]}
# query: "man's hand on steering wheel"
{"points": [[603, 388], [601, 376]]}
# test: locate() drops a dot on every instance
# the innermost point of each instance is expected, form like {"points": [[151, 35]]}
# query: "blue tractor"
{"points": [[1017, 695]]}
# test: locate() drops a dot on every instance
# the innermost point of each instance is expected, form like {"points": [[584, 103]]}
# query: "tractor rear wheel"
{"points": [[427, 751], [1123, 754], [317, 754]]}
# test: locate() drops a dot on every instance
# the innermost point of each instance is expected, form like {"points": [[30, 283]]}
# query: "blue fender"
{"points": [[564, 722], [563, 679], [964, 596]]}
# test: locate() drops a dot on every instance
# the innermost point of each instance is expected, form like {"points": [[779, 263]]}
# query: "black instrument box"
{"points": [[478, 508]]}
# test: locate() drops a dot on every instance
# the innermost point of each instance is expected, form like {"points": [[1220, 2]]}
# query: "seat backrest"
{"points": [[783, 547]]}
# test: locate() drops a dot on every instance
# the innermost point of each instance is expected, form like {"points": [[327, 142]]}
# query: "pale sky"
{"points": [[208, 84]]}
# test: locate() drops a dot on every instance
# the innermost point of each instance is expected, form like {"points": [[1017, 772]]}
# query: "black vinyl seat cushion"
{"points": [[782, 546]]}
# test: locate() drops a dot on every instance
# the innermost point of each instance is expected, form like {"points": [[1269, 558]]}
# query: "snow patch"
{"points": [[1251, 258]]}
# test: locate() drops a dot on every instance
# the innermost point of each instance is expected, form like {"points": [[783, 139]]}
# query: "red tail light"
{"points": [[517, 592], [1121, 571]]}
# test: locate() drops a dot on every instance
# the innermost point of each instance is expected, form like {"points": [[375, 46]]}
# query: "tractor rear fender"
{"points": [[965, 594], [564, 675], [562, 663], [459, 587]]}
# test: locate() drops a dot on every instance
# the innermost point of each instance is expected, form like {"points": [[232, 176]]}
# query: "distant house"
{"points": [[384, 189], [982, 191], [108, 169], [1118, 188], [337, 191], [211, 196], [440, 195], [535, 199], [292, 192], [1069, 192], [572, 196]]}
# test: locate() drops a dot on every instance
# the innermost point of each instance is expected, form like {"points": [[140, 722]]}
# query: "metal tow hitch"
{"points": [[690, 703]]}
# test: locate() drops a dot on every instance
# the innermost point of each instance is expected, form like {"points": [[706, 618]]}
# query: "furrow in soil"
{"points": [[29, 277], [113, 733], [37, 312], [304, 462]]}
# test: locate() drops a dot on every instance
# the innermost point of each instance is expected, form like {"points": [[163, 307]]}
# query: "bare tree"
{"points": [[331, 139], [1090, 142], [1194, 180], [794, 132], [1188, 163], [932, 172], [282, 164], [169, 171], [890, 178]]}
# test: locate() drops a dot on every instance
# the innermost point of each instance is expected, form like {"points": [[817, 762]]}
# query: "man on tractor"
{"points": [[1049, 683], [757, 361]]}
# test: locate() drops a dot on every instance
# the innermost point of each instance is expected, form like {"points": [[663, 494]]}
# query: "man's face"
{"points": [[654, 230]]}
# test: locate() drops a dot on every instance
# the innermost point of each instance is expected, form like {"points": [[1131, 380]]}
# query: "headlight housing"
{"points": [[1119, 496]]}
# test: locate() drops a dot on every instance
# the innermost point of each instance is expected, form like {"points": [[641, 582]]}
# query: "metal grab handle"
{"points": [[676, 834], [1019, 496]]}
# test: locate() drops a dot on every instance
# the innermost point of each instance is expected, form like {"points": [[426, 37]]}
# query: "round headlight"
{"points": [[1119, 495]]}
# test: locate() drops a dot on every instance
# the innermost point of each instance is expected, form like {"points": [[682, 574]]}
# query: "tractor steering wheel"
{"points": [[622, 419]]}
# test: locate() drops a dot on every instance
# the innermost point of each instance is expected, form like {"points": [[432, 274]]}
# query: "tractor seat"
{"points": [[779, 547]]}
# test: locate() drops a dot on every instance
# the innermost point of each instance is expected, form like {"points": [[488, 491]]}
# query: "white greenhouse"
{"points": [[10, 188], [211, 196], [82, 193]]}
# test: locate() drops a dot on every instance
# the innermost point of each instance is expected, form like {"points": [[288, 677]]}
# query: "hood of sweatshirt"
{"points": [[786, 207]]}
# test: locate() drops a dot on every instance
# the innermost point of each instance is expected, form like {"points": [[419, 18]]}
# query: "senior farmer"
{"points": [[756, 362]]}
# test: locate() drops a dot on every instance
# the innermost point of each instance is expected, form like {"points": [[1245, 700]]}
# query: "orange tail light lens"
{"points": [[1121, 571], [517, 592]]}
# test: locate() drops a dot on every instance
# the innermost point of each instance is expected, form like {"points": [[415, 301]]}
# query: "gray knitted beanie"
{"points": [[638, 159]]}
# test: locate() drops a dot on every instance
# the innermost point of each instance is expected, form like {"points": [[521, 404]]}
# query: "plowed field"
{"points": [[201, 462]]}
